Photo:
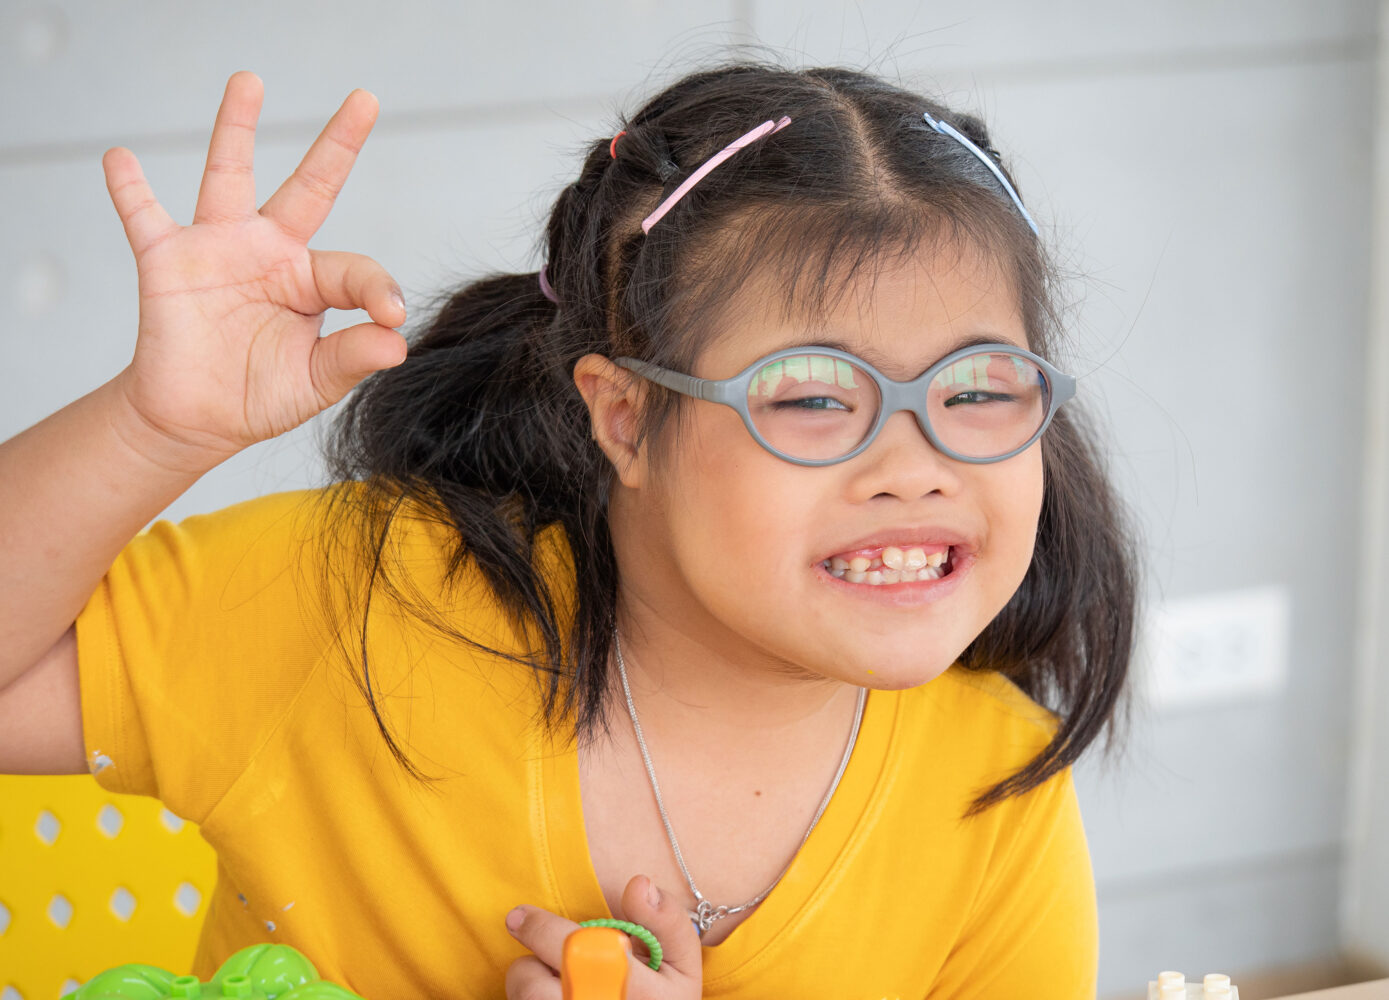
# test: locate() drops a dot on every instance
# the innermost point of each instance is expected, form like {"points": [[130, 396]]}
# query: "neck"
{"points": [[687, 676]]}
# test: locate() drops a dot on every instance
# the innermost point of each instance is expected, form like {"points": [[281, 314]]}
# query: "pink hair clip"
{"points": [[766, 128]]}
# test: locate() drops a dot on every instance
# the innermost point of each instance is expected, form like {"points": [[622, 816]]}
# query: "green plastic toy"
{"points": [[260, 972]]}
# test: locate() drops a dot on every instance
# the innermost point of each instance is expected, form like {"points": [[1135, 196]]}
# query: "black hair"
{"points": [[482, 430]]}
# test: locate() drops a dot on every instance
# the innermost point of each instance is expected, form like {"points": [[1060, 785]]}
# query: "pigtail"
{"points": [[483, 431]]}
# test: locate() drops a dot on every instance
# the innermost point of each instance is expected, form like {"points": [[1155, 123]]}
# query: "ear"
{"points": [[614, 397]]}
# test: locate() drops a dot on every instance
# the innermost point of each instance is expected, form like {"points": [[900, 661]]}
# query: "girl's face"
{"points": [[725, 541]]}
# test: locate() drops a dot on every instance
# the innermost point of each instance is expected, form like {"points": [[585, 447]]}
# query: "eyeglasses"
{"points": [[819, 406]]}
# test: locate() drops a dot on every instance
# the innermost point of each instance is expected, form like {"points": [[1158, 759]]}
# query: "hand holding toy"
{"points": [[575, 962]]}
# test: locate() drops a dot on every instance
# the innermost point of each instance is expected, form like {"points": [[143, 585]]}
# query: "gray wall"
{"points": [[1365, 883], [1203, 169]]}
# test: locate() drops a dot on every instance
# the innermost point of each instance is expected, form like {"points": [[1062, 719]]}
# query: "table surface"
{"points": [[1377, 990]]}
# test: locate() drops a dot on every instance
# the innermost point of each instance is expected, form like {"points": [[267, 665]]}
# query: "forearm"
{"points": [[74, 489]]}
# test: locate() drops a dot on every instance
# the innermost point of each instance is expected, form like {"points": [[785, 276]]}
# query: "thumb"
{"points": [[663, 915], [341, 360]]}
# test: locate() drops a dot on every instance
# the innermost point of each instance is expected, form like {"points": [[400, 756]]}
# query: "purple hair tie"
{"points": [[545, 288], [766, 128]]}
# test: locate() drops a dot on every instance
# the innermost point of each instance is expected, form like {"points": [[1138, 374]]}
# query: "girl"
{"points": [[743, 574]]}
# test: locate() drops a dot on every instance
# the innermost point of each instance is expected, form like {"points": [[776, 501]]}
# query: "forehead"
{"points": [[900, 315]]}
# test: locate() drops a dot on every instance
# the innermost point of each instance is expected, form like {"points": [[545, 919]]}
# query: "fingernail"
{"points": [[514, 918], [653, 895], [398, 299]]}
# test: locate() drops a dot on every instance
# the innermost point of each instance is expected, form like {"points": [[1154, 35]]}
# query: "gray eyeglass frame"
{"points": [[910, 395]]}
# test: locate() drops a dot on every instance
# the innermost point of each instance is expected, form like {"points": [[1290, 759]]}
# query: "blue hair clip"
{"points": [[945, 128]]}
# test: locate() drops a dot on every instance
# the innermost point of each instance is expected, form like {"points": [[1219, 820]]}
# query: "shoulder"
{"points": [[248, 520], [988, 700], [993, 692], [229, 553], [971, 729]]}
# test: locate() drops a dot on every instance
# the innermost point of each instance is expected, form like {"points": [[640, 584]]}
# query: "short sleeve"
{"points": [[1033, 929], [194, 646]]}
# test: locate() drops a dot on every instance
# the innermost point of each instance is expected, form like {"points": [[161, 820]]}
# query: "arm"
{"points": [[73, 490], [228, 354]]}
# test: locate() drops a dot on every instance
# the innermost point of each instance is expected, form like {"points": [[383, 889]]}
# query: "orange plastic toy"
{"points": [[595, 964]]}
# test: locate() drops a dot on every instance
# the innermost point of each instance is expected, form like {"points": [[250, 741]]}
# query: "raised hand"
{"points": [[229, 351]]}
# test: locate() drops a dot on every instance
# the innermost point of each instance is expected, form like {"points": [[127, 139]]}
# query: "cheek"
{"points": [[736, 513], [1017, 509]]}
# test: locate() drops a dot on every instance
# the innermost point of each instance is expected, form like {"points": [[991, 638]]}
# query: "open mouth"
{"points": [[892, 564]]}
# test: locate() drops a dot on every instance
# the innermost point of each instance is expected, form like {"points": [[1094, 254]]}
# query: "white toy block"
{"points": [[1173, 986]]}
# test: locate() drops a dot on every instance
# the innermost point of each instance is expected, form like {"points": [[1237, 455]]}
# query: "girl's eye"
{"points": [[979, 396], [810, 403]]}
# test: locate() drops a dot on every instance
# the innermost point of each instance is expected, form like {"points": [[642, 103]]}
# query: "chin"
{"points": [[893, 666]]}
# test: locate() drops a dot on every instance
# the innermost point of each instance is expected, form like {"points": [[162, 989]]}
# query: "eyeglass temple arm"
{"points": [[687, 385]]}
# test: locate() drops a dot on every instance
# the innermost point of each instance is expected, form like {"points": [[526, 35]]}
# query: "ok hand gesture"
{"points": [[228, 351]]}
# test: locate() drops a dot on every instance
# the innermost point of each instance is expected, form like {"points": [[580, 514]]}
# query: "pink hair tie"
{"points": [[766, 128], [545, 288]]}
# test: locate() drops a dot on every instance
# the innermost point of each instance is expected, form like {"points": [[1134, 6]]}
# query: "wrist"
{"points": [[152, 443]]}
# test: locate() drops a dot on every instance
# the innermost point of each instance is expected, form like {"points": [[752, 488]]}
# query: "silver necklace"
{"points": [[705, 912]]}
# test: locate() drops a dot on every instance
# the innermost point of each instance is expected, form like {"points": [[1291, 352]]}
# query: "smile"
{"points": [[892, 565]]}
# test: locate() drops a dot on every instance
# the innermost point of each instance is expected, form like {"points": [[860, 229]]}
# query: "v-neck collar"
{"points": [[556, 810]]}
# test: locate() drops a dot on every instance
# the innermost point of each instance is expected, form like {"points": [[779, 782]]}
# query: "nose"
{"points": [[902, 462]]}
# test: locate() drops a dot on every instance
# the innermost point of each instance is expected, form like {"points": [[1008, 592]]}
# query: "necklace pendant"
{"points": [[706, 913]]}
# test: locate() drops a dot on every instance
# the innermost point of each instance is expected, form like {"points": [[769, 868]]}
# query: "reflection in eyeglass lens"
{"points": [[987, 404], [812, 406], [803, 369]]}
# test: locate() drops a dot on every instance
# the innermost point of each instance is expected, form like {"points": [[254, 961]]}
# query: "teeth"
{"points": [[895, 566], [878, 577]]}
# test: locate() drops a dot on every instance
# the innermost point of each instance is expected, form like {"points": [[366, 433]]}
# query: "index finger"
{"points": [[543, 932], [306, 197]]}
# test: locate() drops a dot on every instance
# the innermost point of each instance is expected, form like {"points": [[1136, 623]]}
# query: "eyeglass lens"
{"points": [[816, 407]]}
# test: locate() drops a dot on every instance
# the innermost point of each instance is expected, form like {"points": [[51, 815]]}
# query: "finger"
{"points": [[355, 281], [663, 915], [542, 932], [228, 189], [529, 978], [144, 219], [307, 195], [341, 360]]}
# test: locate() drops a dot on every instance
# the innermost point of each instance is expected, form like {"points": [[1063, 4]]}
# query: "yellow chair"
{"points": [[90, 880]]}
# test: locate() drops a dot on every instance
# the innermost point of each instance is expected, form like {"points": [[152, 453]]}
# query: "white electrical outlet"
{"points": [[1227, 646]]}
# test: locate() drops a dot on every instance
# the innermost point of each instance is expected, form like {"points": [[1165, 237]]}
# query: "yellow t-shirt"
{"points": [[209, 681]]}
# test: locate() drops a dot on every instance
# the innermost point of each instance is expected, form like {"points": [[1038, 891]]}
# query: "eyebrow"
{"points": [[881, 361]]}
